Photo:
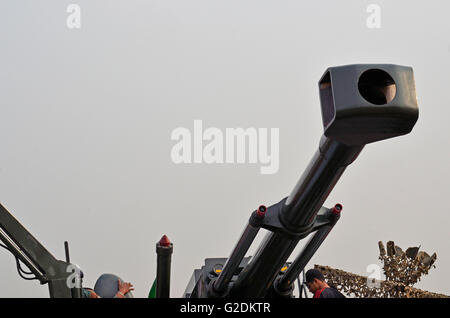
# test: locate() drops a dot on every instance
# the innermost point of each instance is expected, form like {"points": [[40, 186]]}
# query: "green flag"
{"points": [[152, 293]]}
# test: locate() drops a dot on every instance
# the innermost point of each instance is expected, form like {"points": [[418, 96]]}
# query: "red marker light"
{"points": [[164, 241]]}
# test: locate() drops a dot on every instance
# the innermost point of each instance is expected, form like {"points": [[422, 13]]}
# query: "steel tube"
{"points": [[316, 183], [238, 253]]}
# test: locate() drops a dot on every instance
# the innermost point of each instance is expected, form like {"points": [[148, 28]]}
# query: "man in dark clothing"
{"points": [[317, 285]]}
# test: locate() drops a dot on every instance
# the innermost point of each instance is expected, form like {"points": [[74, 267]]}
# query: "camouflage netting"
{"points": [[402, 270], [405, 267], [355, 285]]}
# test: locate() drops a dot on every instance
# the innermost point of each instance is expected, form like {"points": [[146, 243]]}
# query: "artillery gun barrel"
{"points": [[361, 103]]}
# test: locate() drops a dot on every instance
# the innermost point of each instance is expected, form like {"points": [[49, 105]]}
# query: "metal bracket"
{"points": [[271, 221]]}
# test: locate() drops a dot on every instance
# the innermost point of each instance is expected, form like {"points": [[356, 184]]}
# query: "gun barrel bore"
{"points": [[337, 209], [261, 210]]}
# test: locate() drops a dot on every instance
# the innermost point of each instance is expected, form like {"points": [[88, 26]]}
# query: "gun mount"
{"points": [[360, 104]]}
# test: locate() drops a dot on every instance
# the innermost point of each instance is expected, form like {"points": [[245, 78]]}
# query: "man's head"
{"points": [[315, 280]]}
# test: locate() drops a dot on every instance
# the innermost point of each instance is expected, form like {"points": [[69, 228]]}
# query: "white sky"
{"points": [[86, 118]]}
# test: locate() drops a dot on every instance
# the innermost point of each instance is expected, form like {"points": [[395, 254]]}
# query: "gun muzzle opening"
{"points": [[337, 209], [377, 87], [261, 210]]}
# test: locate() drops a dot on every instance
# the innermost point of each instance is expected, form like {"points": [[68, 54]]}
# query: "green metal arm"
{"points": [[33, 254]]}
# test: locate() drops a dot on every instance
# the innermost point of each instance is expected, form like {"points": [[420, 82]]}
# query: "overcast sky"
{"points": [[87, 115]]}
